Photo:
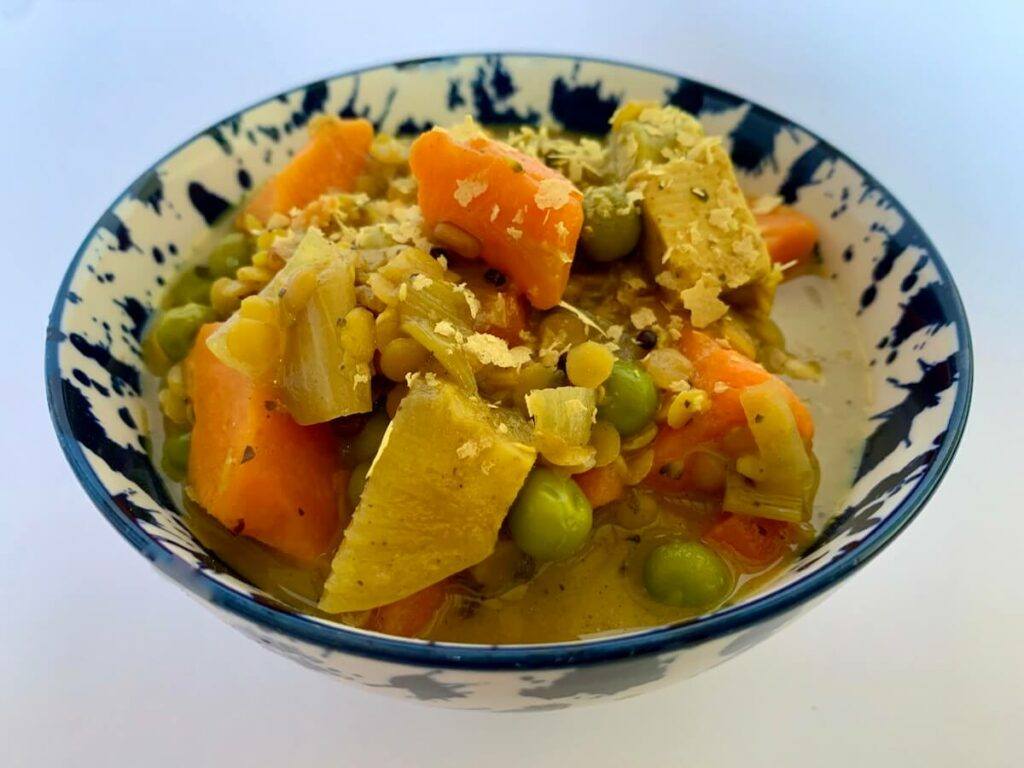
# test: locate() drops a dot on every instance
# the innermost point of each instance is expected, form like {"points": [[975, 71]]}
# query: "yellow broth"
{"points": [[600, 590]]}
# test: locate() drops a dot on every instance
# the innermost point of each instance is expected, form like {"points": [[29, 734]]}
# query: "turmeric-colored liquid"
{"points": [[600, 590]]}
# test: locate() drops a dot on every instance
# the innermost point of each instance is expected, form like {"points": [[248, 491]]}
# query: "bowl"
{"points": [[908, 314]]}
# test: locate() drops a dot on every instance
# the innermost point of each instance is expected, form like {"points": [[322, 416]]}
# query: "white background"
{"points": [[915, 661]]}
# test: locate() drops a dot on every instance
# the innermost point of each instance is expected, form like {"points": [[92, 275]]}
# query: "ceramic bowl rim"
{"points": [[508, 657]]}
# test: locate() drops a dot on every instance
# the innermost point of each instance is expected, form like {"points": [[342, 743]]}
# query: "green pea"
{"points": [[175, 457], [356, 483], [193, 287], [630, 398], [686, 574], [176, 329], [152, 355], [229, 254], [364, 447], [551, 517], [611, 223]]}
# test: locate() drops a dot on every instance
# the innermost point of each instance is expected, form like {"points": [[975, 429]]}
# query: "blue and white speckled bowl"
{"points": [[910, 316]]}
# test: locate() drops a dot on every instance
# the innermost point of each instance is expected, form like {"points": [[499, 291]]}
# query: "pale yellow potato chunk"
{"points": [[438, 490]]}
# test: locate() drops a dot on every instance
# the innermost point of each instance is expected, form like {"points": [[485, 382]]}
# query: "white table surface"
{"points": [[915, 661]]}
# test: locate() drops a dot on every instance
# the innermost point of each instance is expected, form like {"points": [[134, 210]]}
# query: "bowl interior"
{"points": [[907, 311]]}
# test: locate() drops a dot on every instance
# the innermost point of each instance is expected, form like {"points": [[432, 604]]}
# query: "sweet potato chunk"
{"points": [[251, 466], [526, 216], [436, 495], [333, 158]]}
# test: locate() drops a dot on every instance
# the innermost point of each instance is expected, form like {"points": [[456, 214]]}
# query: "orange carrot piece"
{"points": [[410, 616], [714, 364], [333, 158], [526, 216], [252, 467], [754, 543], [789, 235], [503, 312], [601, 485]]}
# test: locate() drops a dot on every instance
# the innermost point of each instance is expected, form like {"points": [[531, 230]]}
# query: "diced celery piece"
{"points": [[562, 418], [314, 251], [320, 379], [786, 470], [436, 314], [745, 497]]}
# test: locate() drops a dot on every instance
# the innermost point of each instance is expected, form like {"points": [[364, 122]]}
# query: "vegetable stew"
{"points": [[508, 386]]}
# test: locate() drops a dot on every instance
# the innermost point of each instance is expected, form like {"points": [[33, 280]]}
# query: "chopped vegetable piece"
{"points": [[332, 160], [601, 485], [502, 314], [261, 361], [563, 417], [434, 498], [744, 497], [700, 237], [724, 374], [437, 315], [321, 378], [551, 517], [310, 344], [412, 615], [785, 477], [715, 364], [755, 543], [503, 309], [254, 469], [526, 216], [789, 235]]}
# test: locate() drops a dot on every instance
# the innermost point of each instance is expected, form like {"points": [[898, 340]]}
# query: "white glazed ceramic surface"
{"points": [[909, 316]]}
